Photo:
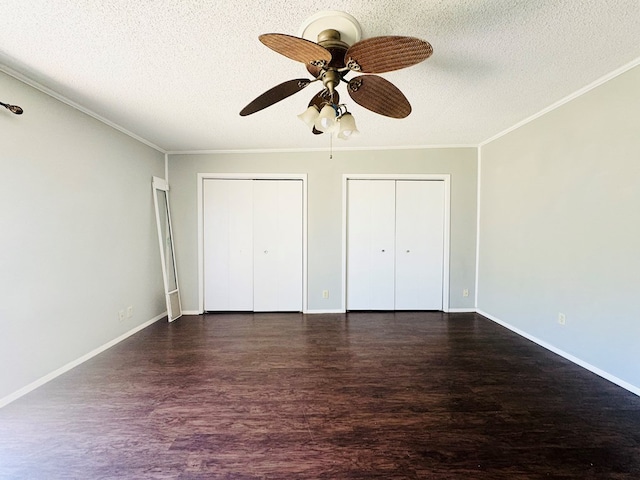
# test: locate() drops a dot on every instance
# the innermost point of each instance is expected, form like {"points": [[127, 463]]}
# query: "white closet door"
{"points": [[228, 252], [277, 229], [419, 245], [370, 244]]}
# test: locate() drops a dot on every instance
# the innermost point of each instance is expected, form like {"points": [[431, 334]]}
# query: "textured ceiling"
{"points": [[177, 72]]}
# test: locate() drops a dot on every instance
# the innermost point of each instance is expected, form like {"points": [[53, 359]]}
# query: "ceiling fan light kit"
{"points": [[347, 126], [327, 119], [310, 115], [337, 52]]}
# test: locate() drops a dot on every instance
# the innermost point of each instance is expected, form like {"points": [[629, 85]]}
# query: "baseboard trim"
{"points": [[65, 368], [315, 312], [581, 363], [305, 312], [339, 310]]}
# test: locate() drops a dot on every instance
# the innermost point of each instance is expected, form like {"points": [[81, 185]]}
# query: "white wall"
{"points": [[325, 209], [560, 228], [78, 239]]}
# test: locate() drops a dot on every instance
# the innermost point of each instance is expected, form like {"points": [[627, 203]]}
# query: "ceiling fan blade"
{"points": [[297, 48], [384, 54], [379, 95], [274, 95]]}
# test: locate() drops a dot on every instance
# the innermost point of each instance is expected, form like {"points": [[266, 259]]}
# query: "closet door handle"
{"points": [[266, 251], [382, 250], [408, 251]]}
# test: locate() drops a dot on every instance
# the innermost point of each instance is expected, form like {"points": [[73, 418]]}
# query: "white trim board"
{"points": [[567, 99], [61, 98], [478, 211], [337, 310], [317, 312], [444, 177], [581, 363], [249, 176], [320, 149], [65, 368]]}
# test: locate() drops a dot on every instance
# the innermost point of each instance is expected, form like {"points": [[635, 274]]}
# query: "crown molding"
{"points": [[46, 90], [308, 150], [567, 99]]}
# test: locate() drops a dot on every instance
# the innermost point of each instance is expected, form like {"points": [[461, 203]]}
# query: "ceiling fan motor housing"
{"points": [[330, 39]]}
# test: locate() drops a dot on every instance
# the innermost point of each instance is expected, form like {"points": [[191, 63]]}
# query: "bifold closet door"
{"points": [[228, 240], [395, 244], [252, 245], [370, 244], [277, 245], [419, 244]]}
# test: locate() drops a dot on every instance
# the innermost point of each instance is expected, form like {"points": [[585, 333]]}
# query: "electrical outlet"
{"points": [[130, 311], [465, 292], [325, 293], [121, 315], [562, 318]]}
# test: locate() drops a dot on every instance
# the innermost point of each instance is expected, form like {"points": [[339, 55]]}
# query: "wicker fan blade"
{"points": [[296, 48], [274, 95], [384, 54], [379, 95], [318, 100]]}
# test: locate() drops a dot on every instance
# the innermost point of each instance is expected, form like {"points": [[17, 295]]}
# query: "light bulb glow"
{"points": [[326, 121], [347, 126]]}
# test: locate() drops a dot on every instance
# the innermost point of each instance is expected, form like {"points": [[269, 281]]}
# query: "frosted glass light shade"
{"points": [[326, 121], [347, 126], [309, 116]]}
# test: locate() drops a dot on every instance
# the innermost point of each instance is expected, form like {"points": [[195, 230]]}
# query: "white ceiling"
{"points": [[177, 72]]}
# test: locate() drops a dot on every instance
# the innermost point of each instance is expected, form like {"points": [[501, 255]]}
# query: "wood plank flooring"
{"points": [[359, 396]]}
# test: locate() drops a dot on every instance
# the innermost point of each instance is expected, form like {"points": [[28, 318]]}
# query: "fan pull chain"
{"points": [[330, 147]]}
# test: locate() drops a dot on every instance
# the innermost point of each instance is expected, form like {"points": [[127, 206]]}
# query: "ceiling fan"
{"points": [[331, 59]]}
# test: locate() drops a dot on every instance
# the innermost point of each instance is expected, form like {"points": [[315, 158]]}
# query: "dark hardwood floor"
{"points": [[288, 396]]}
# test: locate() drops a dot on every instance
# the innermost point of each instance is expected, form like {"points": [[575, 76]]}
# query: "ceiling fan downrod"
{"points": [[330, 74]]}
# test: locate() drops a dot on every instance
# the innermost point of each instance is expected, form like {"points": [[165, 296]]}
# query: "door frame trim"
{"points": [[160, 184], [249, 176], [446, 178]]}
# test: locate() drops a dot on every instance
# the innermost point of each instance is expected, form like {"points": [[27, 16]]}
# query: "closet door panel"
{"points": [[277, 245], [290, 245], [228, 252], [419, 245], [370, 244]]}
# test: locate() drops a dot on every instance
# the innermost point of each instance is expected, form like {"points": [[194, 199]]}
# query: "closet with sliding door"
{"points": [[395, 244]]}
